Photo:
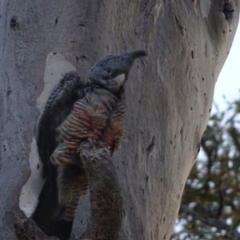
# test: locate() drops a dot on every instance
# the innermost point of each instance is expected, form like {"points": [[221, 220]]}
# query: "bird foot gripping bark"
{"points": [[90, 149], [90, 144]]}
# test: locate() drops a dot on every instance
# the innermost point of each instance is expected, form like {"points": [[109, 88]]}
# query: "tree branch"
{"points": [[218, 223], [27, 229], [106, 202]]}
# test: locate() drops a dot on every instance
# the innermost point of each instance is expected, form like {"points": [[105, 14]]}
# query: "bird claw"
{"points": [[89, 144]]}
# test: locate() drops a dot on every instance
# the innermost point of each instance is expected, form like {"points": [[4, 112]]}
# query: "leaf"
{"points": [[235, 222], [236, 163]]}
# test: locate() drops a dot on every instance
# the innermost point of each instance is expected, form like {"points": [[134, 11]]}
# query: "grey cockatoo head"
{"points": [[111, 71]]}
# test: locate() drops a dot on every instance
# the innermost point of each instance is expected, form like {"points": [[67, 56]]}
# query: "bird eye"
{"points": [[106, 77]]}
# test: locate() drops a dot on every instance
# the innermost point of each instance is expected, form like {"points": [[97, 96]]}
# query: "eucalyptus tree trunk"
{"points": [[169, 95]]}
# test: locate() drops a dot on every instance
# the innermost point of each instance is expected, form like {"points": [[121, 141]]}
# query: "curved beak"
{"points": [[120, 79]]}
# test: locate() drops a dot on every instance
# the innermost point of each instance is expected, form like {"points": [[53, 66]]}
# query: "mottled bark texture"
{"points": [[105, 198], [169, 93]]}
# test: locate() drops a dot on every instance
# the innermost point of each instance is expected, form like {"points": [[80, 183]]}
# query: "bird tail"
{"points": [[137, 54], [44, 214]]}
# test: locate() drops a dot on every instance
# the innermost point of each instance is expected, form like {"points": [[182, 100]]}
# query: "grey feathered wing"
{"points": [[57, 108]]}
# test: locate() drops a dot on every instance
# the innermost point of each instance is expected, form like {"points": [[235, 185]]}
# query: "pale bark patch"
{"points": [[56, 66]]}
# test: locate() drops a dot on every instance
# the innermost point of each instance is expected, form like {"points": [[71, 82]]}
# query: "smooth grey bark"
{"points": [[169, 93]]}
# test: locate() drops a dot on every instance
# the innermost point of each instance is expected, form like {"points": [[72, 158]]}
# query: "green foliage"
{"points": [[211, 201]]}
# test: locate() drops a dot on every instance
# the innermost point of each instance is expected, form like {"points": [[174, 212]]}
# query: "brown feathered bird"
{"points": [[75, 111]]}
